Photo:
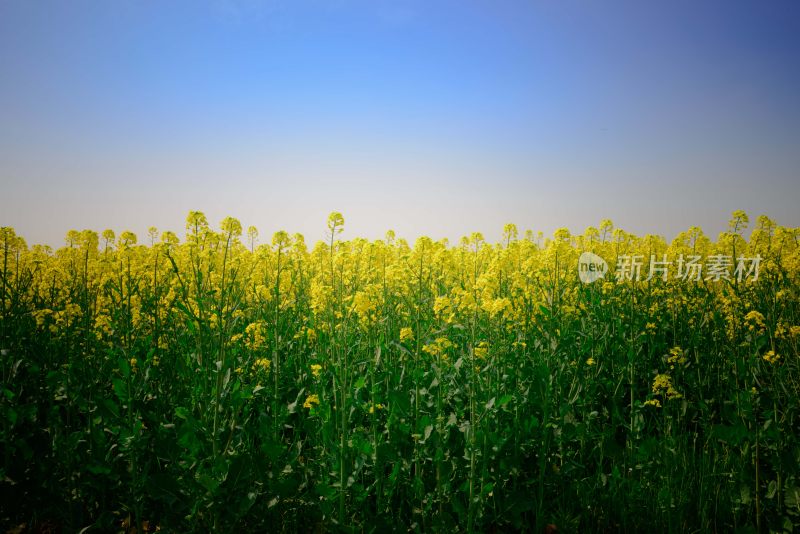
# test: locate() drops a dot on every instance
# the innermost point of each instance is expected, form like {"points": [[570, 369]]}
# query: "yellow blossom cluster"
{"points": [[311, 401], [662, 385]]}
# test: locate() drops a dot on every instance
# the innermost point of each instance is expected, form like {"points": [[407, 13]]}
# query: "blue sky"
{"points": [[437, 117]]}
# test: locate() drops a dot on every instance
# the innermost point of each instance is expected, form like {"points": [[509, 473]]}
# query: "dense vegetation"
{"points": [[219, 384]]}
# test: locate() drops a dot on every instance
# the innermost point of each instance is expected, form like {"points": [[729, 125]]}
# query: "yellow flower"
{"points": [[663, 385], [661, 382], [311, 400], [590, 361], [256, 335], [650, 328], [754, 320], [362, 304], [232, 227], [653, 402], [676, 355], [438, 347], [441, 306], [311, 334], [497, 306], [261, 364], [481, 350], [406, 334], [315, 369], [431, 348], [335, 222], [771, 357], [374, 407], [673, 393]]}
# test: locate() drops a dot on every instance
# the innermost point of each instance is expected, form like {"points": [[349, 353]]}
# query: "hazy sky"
{"points": [[429, 117]]}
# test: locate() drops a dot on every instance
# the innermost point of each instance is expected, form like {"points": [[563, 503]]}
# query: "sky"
{"points": [[432, 117]]}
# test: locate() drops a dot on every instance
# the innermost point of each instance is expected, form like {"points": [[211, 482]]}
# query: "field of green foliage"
{"points": [[218, 383]]}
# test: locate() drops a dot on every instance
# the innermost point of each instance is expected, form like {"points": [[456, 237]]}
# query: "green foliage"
{"points": [[209, 386]]}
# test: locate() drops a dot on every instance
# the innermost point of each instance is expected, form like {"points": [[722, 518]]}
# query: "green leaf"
{"points": [[208, 482], [505, 399], [792, 497], [121, 389], [325, 491], [124, 367], [733, 435], [165, 488], [771, 489], [188, 439], [98, 469], [108, 409]]}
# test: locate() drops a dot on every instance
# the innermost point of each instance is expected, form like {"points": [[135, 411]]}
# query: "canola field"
{"points": [[223, 382]]}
